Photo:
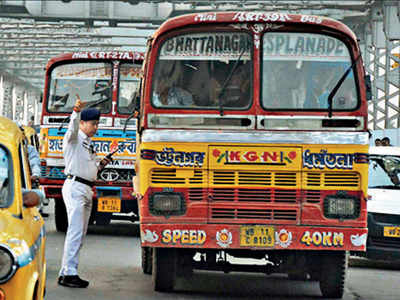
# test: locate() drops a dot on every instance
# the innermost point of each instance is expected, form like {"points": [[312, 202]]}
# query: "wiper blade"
{"points": [[88, 106], [228, 78], [338, 85]]}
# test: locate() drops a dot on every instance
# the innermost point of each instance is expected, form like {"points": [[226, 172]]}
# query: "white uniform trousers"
{"points": [[78, 202]]}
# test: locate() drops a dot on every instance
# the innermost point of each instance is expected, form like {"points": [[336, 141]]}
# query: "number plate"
{"points": [[257, 236], [391, 231], [109, 204]]}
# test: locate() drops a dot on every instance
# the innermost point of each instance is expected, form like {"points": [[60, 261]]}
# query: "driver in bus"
{"points": [[171, 95], [237, 89]]}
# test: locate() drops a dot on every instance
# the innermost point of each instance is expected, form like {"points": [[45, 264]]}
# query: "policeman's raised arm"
{"points": [[73, 126]]}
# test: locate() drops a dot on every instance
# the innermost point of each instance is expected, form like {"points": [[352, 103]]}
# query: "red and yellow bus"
{"points": [[253, 143], [108, 81]]}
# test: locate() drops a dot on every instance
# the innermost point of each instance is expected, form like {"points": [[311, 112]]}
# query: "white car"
{"points": [[384, 203]]}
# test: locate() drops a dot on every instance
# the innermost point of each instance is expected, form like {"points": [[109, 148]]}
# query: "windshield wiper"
{"points": [[88, 106], [393, 187], [338, 85], [228, 78]]}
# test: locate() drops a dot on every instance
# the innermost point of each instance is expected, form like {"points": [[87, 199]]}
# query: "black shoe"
{"points": [[72, 281]]}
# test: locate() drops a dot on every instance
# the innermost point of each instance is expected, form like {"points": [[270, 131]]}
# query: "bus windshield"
{"points": [[204, 70], [91, 81], [299, 71]]}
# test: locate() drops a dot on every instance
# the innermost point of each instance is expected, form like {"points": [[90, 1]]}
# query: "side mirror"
{"points": [[31, 199], [368, 87]]}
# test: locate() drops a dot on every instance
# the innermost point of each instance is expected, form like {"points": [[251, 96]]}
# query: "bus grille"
{"points": [[312, 196], [196, 194], [170, 177], [337, 180], [255, 195], [254, 214], [221, 177], [311, 180]]}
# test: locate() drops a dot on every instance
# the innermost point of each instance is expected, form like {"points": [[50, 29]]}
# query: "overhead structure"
{"points": [[33, 31]]}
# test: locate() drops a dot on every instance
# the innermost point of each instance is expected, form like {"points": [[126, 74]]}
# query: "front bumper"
{"points": [[256, 237], [54, 191], [379, 246]]}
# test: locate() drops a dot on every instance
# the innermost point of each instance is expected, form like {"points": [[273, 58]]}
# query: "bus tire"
{"points": [[164, 269], [60, 215], [147, 260], [333, 274]]}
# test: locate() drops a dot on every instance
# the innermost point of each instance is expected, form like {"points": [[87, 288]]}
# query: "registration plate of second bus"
{"points": [[109, 204], [391, 231], [257, 236]]}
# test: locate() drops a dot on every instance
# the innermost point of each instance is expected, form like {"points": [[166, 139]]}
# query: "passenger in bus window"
{"points": [[345, 97], [168, 87], [166, 95]]}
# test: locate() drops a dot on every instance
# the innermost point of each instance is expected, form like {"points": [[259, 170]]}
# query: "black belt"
{"points": [[81, 180]]}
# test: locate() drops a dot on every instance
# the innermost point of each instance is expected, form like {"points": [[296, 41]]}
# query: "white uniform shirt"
{"points": [[79, 157]]}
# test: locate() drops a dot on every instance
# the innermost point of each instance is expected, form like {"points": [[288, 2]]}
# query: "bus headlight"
{"points": [[341, 206], [7, 264], [167, 204]]}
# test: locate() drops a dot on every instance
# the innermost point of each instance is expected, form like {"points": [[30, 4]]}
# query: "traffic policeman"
{"points": [[81, 168]]}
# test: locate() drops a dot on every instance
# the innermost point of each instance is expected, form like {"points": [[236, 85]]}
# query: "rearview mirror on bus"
{"points": [[368, 88]]}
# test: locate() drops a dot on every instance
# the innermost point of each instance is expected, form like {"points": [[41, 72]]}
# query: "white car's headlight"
{"points": [[7, 264]]}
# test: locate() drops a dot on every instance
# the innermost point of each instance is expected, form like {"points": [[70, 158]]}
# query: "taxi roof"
{"points": [[9, 131], [384, 150]]}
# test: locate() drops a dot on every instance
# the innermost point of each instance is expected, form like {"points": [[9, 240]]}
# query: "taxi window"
{"points": [[5, 178]]}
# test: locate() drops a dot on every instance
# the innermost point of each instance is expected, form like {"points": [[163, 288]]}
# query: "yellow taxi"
{"points": [[22, 232]]}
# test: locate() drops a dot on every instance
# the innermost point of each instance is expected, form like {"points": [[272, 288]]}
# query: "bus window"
{"points": [[300, 70], [91, 81], [204, 70], [128, 84]]}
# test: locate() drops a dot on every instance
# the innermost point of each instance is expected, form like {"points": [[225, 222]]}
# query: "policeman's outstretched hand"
{"points": [[104, 162], [79, 105]]}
